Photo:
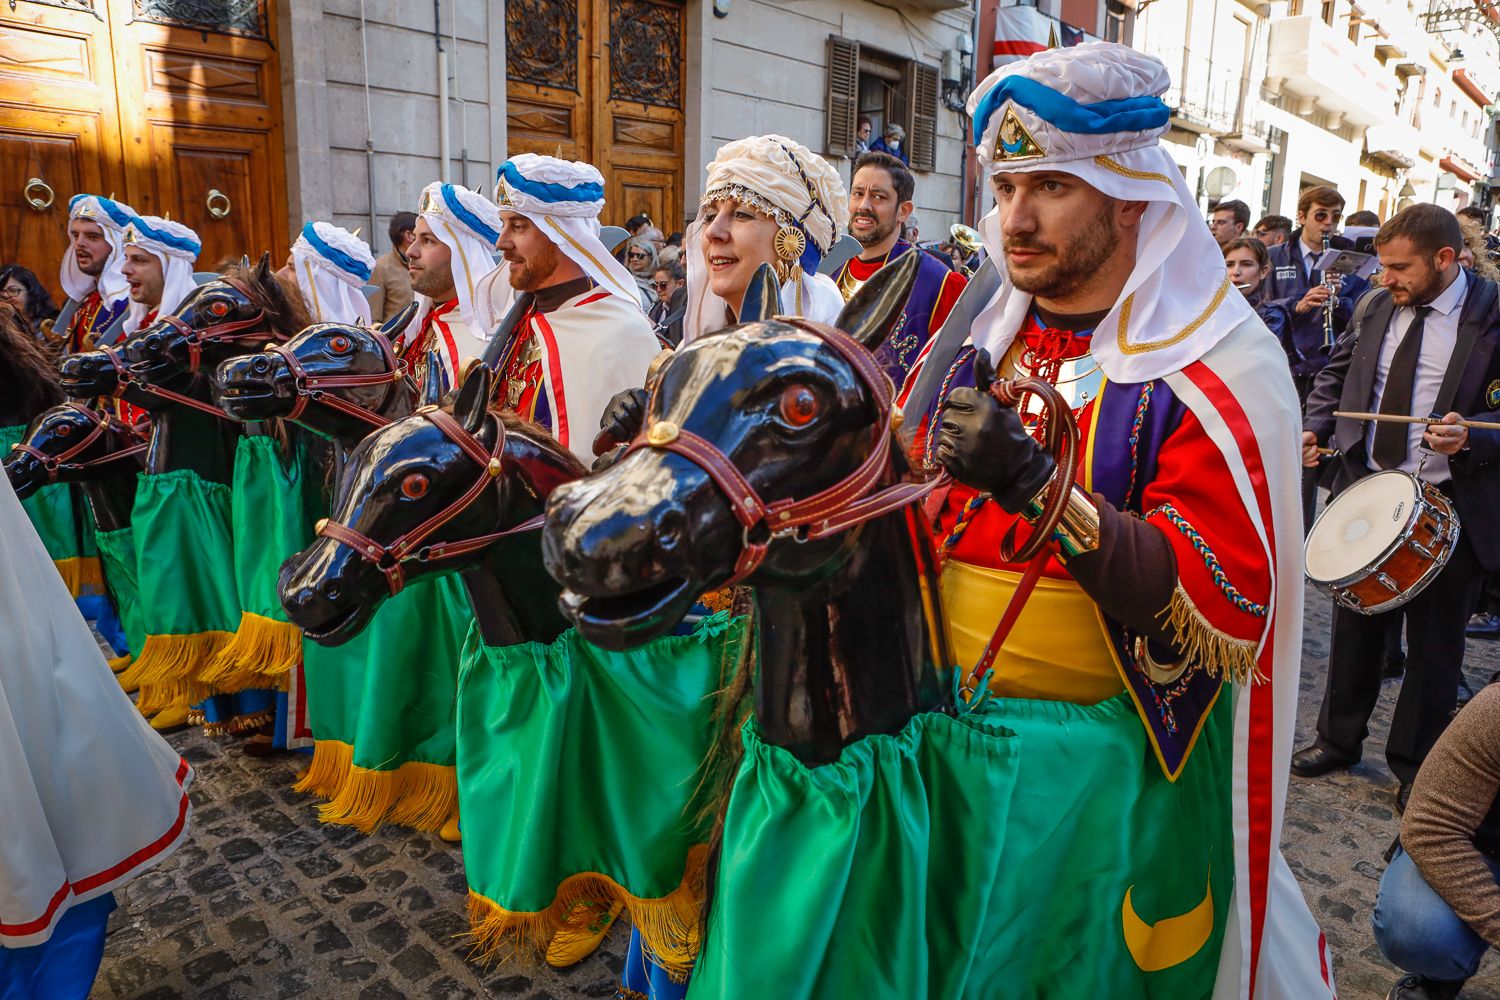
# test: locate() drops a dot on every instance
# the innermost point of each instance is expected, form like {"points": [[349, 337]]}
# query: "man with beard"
{"points": [[583, 336], [880, 194], [449, 257], [1148, 656], [90, 274], [1420, 346]]}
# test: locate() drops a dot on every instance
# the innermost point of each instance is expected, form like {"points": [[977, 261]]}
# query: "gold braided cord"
{"points": [[1110, 163], [1156, 345]]}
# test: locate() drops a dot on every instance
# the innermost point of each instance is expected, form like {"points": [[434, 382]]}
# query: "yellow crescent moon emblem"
{"points": [[1171, 940]]}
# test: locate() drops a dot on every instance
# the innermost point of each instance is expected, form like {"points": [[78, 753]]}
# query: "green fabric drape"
{"points": [[117, 553], [982, 856], [274, 508], [58, 514]]}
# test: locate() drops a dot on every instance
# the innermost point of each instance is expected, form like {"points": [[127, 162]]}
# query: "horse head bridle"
{"points": [[315, 388], [391, 557], [101, 424], [858, 497]]}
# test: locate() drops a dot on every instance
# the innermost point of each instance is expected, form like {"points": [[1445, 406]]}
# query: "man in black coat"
{"points": [[1423, 345]]}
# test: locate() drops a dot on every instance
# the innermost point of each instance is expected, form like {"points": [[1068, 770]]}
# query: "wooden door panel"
{"points": [[547, 107], [41, 150], [190, 165], [656, 193], [638, 128]]}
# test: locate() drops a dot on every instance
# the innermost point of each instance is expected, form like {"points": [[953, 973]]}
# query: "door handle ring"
{"points": [[38, 203], [219, 205]]}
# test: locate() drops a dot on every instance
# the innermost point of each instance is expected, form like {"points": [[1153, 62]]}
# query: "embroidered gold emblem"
{"points": [[1014, 142]]}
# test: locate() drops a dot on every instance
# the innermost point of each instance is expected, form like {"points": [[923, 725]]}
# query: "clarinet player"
{"points": [[1319, 312]]}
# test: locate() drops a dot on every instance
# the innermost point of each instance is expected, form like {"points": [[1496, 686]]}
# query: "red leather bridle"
{"points": [[102, 422], [391, 557], [219, 333], [850, 502], [314, 388]]}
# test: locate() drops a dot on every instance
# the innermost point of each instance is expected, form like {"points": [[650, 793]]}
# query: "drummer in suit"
{"points": [[1424, 344]]}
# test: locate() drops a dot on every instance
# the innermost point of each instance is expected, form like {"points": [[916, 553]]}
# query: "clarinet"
{"points": [[1332, 302]]}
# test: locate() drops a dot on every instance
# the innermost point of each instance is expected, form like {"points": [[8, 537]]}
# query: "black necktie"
{"points": [[1391, 437]]}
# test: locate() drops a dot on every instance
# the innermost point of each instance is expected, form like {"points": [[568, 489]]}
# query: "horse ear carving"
{"points": [[394, 327], [473, 399], [263, 269], [762, 296], [872, 314]]}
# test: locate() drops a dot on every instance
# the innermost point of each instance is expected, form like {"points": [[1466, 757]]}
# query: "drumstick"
{"points": [[1392, 418]]}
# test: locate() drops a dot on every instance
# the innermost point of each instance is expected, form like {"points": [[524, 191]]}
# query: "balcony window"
{"points": [[1329, 7]]}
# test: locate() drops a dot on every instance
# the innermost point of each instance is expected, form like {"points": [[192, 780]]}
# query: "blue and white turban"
{"points": [[468, 224], [1095, 111], [333, 266], [177, 247], [112, 217], [563, 199]]}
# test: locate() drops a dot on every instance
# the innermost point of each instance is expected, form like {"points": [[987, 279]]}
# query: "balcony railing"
{"points": [[1205, 95]]}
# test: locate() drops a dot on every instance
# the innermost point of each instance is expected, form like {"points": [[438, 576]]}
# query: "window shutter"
{"points": [[921, 115], [843, 96]]}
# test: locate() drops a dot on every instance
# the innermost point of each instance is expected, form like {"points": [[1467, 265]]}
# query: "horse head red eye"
{"points": [[218, 308], [339, 344], [799, 405], [414, 486], [64, 430]]}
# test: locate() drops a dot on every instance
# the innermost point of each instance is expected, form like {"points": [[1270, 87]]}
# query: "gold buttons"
{"points": [[662, 432]]}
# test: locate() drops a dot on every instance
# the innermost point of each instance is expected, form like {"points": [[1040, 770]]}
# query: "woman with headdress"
{"points": [[768, 200]]}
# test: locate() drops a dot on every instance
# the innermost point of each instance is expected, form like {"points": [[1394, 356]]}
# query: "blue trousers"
{"points": [[64, 968], [1418, 931]]}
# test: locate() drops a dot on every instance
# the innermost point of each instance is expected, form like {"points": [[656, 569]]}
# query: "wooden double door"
{"points": [[172, 106], [603, 81]]}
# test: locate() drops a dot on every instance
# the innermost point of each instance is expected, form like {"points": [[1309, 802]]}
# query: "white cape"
{"points": [[89, 796]]}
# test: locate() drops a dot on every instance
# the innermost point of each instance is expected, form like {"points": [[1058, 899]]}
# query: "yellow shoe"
{"points": [[170, 718], [587, 925], [119, 663], [129, 688], [449, 832]]}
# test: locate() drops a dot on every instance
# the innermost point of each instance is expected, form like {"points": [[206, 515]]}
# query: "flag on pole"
{"points": [[1022, 31]]}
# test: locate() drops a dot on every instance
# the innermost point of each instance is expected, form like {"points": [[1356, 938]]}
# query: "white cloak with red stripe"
{"points": [[90, 797], [593, 345], [1273, 949]]}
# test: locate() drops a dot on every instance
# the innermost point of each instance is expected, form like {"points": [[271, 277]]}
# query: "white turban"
{"points": [[563, 199], [112, 217], [800, 190], [1094, 110], [332, 267], [468, 224], [177, 247]]}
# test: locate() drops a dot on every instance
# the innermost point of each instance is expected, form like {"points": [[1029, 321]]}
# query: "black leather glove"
{"points": [[985, 445], [624, 414]]}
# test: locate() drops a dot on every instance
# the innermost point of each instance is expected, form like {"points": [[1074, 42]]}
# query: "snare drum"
{"points": [[1381, 541]]}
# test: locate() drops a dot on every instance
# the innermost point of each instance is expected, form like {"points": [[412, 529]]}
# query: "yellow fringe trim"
{"points": [[170, 667], [1219, 653], [668, 925], [261, 654], [119, 663], [238, 724], [81, 575], [416, 794]]}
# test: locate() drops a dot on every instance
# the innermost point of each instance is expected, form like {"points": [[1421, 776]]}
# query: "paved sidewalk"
{"points": [[264, 902]]}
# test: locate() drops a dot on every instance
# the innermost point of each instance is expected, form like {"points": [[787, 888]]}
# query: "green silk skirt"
{"points": [[117, 555], [578, 774], [381, 708], [59, 517], [1026, 849], [184, 570], [273, 510]]}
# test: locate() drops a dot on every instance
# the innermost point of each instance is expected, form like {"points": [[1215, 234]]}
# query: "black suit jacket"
{"points": [[1470, 386]]}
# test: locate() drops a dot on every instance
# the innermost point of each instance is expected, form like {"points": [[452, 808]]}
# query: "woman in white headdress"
{"points": [[177, 248], [768, 200], [73, 750], [331, 267]]}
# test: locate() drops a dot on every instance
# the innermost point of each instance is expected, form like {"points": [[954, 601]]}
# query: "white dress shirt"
{"points": [[1439, 336]]}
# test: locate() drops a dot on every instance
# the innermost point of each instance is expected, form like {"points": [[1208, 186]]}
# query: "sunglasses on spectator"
{"points": [[1324, 215], [638, 254], [661, 286]]}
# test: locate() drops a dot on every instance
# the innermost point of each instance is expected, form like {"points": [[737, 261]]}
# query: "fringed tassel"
{"points": [[239, 724], [119, 663], [416, 794], [1219, 653], [170, 667], [81, 574], [669, 925], [260, 655]]}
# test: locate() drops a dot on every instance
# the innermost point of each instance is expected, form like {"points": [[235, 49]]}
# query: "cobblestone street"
{"points": [[264, 902]]}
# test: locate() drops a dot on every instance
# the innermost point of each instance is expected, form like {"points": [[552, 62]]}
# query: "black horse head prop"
{"points": [[338, 379], [767, 457], [233, 314], [71, 443], [777, 401], [101, 372], [427, 494]]}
